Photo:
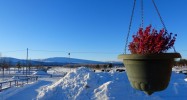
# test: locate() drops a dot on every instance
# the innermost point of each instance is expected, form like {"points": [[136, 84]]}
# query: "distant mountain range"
{"points": [[54, 61]]}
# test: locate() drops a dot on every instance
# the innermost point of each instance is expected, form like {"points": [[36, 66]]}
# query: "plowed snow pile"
{"points": [[84, 84]]}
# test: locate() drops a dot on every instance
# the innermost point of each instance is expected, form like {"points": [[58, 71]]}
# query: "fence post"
{"points": [[15, 83], [10, 83], [36, 78], [22, 82], [0, 87], [27, 80]]}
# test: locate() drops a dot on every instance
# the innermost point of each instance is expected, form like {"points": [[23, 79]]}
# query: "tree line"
{"points": [[6, 65], [94, 66], [181, 62]]}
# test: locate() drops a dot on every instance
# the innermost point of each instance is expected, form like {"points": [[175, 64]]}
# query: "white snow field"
{"points": [[84, 84]]}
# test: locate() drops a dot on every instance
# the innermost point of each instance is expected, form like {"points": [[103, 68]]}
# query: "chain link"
{"points": [[161, 20], [142, 20], [130, 24], [142, 13], [159, 15]]}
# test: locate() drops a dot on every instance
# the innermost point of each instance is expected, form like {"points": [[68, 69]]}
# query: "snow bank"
{"points": [[40, 73], [27, 92], [69, 87], [185, 79], [84, 84]]}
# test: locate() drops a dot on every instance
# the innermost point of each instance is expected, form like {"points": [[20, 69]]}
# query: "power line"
{"points": [[46, 51], [181, 50], [99, 52], [76, 51], [12, 51]]}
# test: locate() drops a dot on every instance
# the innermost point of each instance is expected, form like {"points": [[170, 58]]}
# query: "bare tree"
{"points": [[18, 65], [110, 65], [4, 66], [29, 65], [9, 65]]}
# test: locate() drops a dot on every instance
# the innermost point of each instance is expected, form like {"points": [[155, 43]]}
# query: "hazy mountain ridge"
{"points": [[53, 61], [69, 60]]}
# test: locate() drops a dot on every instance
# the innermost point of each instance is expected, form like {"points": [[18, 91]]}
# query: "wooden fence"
{"points": [[18, 81]]}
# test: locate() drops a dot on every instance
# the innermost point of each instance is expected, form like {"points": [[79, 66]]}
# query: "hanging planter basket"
{"points": [[149, 73], [148, 66]]}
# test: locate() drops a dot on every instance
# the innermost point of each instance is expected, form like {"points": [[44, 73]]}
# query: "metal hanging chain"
{"points": [[161, 20], [130, 24], [159, 15], [142, 13]]}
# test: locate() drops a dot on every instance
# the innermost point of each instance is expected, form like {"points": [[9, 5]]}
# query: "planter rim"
{"points": [[150, 56]]}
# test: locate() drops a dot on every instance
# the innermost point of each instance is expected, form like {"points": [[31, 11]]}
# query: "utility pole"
{"points": [[27, 61], [69, 55], [1, 62], [69, 61]]}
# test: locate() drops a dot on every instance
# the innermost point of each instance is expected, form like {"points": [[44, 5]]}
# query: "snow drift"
{"points": [[84, 84]]}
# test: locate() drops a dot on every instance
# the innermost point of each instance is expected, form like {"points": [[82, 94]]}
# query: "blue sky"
{"points": [[89, 29]]}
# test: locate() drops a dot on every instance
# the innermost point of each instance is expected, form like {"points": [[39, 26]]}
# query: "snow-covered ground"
{"points": [[85, 84]]}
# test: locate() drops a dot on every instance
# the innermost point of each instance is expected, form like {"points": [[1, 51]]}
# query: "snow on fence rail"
{"points": [[19, 81]]}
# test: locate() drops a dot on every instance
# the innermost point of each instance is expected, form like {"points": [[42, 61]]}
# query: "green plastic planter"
{"points": [[149, 73]]}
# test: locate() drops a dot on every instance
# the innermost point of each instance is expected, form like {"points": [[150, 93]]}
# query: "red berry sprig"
{"points": [[150, 41]]}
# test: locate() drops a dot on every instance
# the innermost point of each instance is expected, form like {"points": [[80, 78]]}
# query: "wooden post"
{"points": [[10, 83], [15, 83], [36, 78], [27, 80], [0, 87]]}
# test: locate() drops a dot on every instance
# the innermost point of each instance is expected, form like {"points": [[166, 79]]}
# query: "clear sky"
{"points": [[88, 29]]}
